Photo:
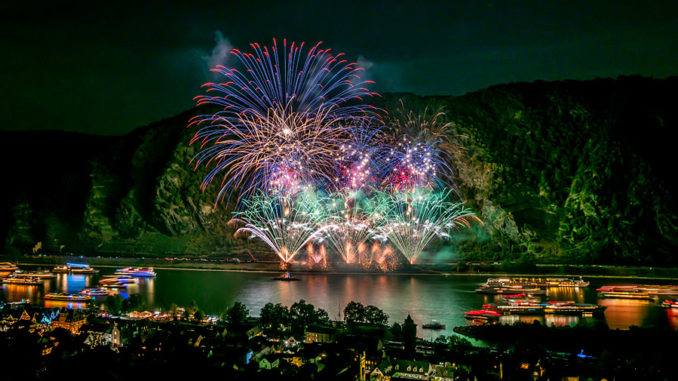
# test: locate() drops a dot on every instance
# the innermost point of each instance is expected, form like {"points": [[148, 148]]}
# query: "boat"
{"points": [[75, 268], [120, 278], [286, 277], [94, 291], [112, 283], [146, 272], [435, 325], [8, 266], [673, 304], [483, 315], [20, 280], [68, 297], [623, 292], [34, 274], [509, 290], [534, 282]]}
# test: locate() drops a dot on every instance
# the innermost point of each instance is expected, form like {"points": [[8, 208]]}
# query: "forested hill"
{"points": [[574, 171]]}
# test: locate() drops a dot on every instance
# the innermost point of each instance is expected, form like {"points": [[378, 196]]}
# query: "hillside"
{"points": [[573, 171]]}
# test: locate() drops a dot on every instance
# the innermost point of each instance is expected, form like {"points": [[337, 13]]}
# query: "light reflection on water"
{"points": [[443, 298]]}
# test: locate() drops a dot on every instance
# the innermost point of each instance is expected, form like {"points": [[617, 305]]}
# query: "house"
{"points": [[318, 334], [411, 370], [382, 372], [71, 321], [443, 373]]}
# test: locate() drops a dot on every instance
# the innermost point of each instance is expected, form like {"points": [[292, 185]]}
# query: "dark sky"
{"points": [[105, 67]]}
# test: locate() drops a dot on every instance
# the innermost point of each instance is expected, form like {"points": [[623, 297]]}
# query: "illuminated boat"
{"points": [[34, 274], [146, 272], [24, 281], [75, 298], [572, 308], [673, 304], [483, 315], [75, 268], [7, 266], [119, 278], [509, 290], [435, 325], [286, 277], [536, 282], [112, 283], [94, 292], [623, 292]]}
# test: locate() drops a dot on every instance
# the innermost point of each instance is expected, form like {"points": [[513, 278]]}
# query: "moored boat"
{"points": [[623, 292], [24, 281], [76, 298], [146, 272], [94, 291], [8, 266], [75, 268], [435, 325], [34, 274], [482, 315], [673, 304], [286, 277]]}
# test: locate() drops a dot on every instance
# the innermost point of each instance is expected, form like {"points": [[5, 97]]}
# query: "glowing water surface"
{"points": [[424, 297]]}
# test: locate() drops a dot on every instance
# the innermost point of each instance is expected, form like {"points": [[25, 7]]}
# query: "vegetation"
{"points": [[565, 172]]}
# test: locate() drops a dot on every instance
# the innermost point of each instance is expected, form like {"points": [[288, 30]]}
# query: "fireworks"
{"points": [[414, 219], [284, 224], [288, 124], [350, 223], [419, 151], [280, 117]]}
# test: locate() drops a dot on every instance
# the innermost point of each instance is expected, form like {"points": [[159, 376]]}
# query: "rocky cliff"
{"points": [[573, 171]]}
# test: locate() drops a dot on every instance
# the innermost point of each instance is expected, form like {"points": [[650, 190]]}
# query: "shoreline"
{"points": [[265, 268]]}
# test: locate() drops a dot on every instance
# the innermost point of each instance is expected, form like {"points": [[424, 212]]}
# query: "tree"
{"points": [[409, 334], [114, 304], [132, 303], [374, 315], [274, 316], [192, 307], [354, 313], [173, 310], [303, 314], [237, 313], [397, 330], [198, 315]]}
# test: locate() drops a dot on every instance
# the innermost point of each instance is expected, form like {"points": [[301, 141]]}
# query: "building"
{"points": [[71, 320], [411, 370], [325, 335]]}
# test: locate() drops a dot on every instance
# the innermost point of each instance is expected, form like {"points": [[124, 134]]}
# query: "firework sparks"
{"points": [[416, 218], [281, 117], [284, 224]]}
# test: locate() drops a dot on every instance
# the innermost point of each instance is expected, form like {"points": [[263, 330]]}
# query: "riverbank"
{"points": [[446, 269]]}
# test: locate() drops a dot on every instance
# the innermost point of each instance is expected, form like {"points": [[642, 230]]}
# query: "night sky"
{"points": [[107, 69]]}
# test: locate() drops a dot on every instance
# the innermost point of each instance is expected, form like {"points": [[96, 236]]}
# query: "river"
{"points": [[424, 297]]}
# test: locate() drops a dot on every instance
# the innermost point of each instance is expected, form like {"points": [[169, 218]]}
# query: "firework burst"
{"points": [[279, 116], [284, 224], [419, 152], [416, 218]]}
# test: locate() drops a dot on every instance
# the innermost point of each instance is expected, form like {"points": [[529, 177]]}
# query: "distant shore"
{"points": [[446, 269]]}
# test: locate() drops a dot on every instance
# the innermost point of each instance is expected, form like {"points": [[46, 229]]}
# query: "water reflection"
{"points": [[623, 313], [423, 297]]}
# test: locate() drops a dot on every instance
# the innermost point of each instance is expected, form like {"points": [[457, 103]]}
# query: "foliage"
{"points": [[236, 314]]}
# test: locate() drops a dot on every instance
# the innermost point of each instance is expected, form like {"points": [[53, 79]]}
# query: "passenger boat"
{"points": [[136, 271], [534, 282], [112, 283], [120, 278], [94, 292], [34, 274], [68, 297], [623, 292], [482, 315], [435, 325], [286, 277], [25, 281], [75, 268], [673, 304], [509, 290], [8, 266]]}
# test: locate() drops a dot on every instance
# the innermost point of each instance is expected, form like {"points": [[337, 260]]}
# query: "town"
{"points": [[299, 342]]}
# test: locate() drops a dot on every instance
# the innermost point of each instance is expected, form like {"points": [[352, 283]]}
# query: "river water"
{"points": [[424, 297]]}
